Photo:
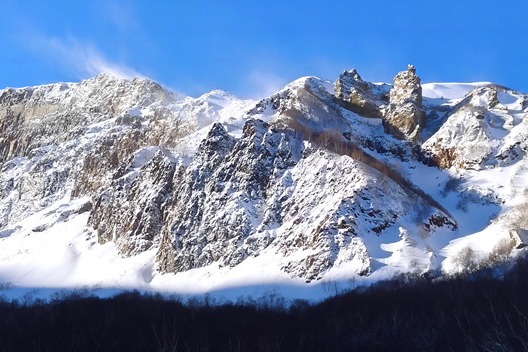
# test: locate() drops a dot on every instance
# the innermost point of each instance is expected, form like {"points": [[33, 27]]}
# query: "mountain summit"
{"points": [[111, 182]]}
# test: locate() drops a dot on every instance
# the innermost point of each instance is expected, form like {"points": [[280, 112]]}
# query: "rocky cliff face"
{"points": [[241, 197], [309, 181], [66, 139], [404, 117], [130, 211], [490, 122], [364, 98], [38, 116]]}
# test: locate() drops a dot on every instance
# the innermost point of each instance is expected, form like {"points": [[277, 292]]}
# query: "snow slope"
{"points": [[449, 90]]}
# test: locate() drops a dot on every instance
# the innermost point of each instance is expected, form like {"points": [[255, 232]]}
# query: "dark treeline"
{"points": [[478, 313]]}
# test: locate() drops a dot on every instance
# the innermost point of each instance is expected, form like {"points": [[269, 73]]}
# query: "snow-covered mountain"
{"points": [[113, 183]]}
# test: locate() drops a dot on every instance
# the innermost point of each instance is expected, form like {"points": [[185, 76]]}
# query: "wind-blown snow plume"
{"points": [[81, 58]]}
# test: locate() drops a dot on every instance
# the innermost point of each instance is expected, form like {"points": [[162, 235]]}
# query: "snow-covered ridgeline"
{"points": [[129, 185]]}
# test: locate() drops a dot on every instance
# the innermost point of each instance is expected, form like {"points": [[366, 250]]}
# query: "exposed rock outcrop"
{"points": [[364, 98], [404, 117], [468, 138], [264, 193], [130, 211], [34, 117]]}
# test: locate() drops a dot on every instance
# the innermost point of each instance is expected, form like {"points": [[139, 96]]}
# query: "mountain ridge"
{"points": [[309, 183]]}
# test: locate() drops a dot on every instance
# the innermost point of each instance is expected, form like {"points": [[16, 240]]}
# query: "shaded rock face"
{"points": [[216, 199], [130, 211], [225, 206], [221, 198], [33, 185], [524, 103], [363, 98], [404, 117], [266, 193]]}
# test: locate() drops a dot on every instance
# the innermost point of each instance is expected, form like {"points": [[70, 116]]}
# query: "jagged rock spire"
{"points": [[359, 96], [404, 117]]}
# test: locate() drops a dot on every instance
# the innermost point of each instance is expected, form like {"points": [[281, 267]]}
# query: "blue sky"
{"points": [[252, 48]]}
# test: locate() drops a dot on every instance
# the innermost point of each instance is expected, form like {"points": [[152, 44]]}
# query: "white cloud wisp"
{"points": [[82, 59]]}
